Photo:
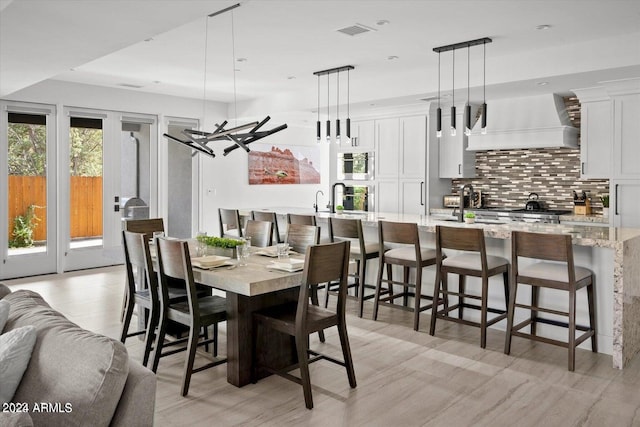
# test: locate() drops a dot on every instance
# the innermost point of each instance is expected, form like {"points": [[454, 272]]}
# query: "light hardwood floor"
{"points": [[405, 378]]}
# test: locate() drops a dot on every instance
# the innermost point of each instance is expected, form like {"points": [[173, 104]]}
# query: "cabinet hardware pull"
{"points": [[421, 193], [617, 199], [582, 167], [459, 169]]}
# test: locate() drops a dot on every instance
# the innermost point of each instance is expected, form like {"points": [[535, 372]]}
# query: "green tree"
{"points": [[85, 152], [27, 149]]}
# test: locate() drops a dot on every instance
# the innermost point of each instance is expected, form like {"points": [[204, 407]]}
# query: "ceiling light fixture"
{"points": [[439, 110], [467, 108], [543, 27], [198, 140], [328, 73], [318, 122], [468, 44]]}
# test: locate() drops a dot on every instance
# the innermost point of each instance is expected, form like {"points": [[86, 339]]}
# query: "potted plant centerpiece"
{"points": [[469, 217], [220, 245], [339, 209], [604, 198]]}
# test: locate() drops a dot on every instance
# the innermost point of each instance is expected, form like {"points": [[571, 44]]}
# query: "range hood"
{"points": [[539, 121]]}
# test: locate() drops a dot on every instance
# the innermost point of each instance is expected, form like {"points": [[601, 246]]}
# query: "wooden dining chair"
{"points": [[301, 219], [361, 252], [555, 269], [230, 225], [407, 254], [260, 232], [271, 217], [197, 312], [323, 263], [472, 261]]}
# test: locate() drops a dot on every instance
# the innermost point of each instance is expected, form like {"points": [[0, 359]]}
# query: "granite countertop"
{"points": [[596, 219]]}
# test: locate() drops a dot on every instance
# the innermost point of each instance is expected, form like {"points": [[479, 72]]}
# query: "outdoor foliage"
{"points": [[23, 226]]}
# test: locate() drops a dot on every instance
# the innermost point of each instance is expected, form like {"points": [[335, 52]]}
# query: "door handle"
{"points": [[421, 193], [617, 185]]}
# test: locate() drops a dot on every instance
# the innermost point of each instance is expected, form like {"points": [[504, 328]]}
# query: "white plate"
{"points": [[288, 267], [210, 261]]}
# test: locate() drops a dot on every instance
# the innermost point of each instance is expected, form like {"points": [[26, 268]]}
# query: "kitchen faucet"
{"points": [[333, 195], [461, 213], [315, 205]]}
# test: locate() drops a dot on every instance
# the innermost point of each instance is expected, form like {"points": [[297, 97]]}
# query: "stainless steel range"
{"points": [[499, 215]]}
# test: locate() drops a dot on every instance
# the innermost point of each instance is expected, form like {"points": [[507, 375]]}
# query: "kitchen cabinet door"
{"points": [[412, 196], [625, 204], [596, 139], [362, 135], [455, 160], [413, 134], [388, 143], [626, 140], [387, 195]]}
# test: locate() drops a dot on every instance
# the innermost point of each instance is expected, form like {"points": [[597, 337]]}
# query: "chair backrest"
{"points": [[139, 266], [460, 239], [144, 225], [229, 220], [261, 233], [301, 219], [300, 236], [324, 263], [271, 217], [347, 228], [402, 233], [546, 247], [174, 265]]}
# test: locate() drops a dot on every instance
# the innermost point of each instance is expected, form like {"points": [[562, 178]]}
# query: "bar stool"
{"points": [[408, 257], [473, 262], [351, 229], [556, 271], [301, 219], [271, 217], [230, 225]]}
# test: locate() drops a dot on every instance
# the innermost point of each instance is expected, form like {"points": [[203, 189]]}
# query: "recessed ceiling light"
{"points": [[382, 22], [372, 104], [291, 78], [150, 39], [241, 59], [543, 27], [392, 57], [542, 83], [156, 81]]}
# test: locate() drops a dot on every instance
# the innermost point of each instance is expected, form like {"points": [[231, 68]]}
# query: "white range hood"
{"points": [[539, 121]]}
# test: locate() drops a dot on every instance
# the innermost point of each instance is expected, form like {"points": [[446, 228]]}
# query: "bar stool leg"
{"points": [[405, 297], [434, 307], [535, 291], [416, 310], [592, 316], [389, 284], [572, 329], [483, 312], [361, 286], [505, 280], [376, 298], [461, 290], [510, 313]]}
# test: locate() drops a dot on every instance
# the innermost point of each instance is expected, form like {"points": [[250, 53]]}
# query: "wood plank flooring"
{"points": [[405, 378]]}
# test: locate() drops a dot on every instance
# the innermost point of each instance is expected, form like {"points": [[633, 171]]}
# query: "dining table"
{"points": [[249, 288]]}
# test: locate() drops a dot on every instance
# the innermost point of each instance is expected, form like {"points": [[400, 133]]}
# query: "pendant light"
{"points": [[338, 107], [484, 87], [318, 111], [453, 96], [467, 108], [439, 110], [328, 119], [348, 102]]}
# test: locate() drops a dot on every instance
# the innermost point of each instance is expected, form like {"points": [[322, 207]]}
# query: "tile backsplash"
{"points": [[506, 177]]}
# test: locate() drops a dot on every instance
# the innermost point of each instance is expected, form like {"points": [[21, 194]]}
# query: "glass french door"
{"points": [[108, 163], [28, 183]]}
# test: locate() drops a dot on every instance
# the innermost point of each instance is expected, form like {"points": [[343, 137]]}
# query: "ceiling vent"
{"points": [[356, 29], [130, 85]]}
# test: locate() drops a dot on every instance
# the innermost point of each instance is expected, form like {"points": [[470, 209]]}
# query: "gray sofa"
{"points": [[83, 378]]}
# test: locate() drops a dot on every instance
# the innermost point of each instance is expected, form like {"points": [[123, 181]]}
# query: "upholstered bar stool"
{"points": [[556, 271], [474, 261], [271, 217], [408, 256], [230, 225], [361, 252]]}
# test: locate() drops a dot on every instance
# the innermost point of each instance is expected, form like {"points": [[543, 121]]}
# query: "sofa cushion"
{"points": [[81, 373], [4, 290], [15, 419], [15, 351], [4, 313]]}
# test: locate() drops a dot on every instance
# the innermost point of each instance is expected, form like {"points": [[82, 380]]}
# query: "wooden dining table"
{"points": [[249, 288]]}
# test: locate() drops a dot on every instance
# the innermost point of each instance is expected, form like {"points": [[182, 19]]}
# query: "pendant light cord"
{"points": [[204, 83], [438, 79], [338, 96], [468, 74], [233, 50], [348, 93], [318, 98], [484, 73], [453, 83], [328, 97]]}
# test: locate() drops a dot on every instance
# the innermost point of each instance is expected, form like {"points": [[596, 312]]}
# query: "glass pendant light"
{"points": [[453, 97]]}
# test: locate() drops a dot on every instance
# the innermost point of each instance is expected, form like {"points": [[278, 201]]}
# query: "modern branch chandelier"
{"points": [[452, 47], [328, 73], [199, 140]]}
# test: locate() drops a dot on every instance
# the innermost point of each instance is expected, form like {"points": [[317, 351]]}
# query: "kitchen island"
{"points": [[612, 253]]}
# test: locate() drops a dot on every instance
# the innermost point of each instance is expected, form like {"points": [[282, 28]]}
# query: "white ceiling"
{"points": [[284, 42]]}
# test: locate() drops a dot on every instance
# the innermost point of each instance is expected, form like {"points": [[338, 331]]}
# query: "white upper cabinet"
{"points": [[596, 133], [626, 140], [388, 143], [413, 134], [455, 160], [362, 136]]}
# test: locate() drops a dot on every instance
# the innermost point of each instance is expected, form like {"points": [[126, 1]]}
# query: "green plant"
{"points": [[340, 208], [219, 242], [469, 215], [23, 226], [605, 200]]}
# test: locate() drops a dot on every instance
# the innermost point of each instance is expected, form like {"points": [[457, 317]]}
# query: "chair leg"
{"points": [[505, 281], [416, 309], [314, 301], [194, 335], [572, 329], [592, 316], [148, 339], [303, 362], [346, 353], [376, 299], [390, 285], [462, 279], [483, 311], [254, 352], [215, 339], [434, 306], [127, 320], [535, 292], [511, 306], [405, 279], [125, 302], [157, 346], [362, 271], [205, 331]]}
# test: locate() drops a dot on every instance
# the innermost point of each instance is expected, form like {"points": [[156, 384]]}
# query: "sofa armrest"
{"points": [[15, 419], [137, 403], [4, 290]]}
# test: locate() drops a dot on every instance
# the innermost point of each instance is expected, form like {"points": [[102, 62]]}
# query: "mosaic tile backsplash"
{"points": [[506, 177]]}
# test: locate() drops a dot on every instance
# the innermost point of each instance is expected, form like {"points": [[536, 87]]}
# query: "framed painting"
{"points": [[284, 164]]}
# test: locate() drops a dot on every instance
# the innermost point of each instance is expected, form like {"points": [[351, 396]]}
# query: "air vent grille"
{"points": [[129, 85], [354, 30]]}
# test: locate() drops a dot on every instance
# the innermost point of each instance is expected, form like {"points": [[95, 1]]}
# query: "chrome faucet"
{"points": [[333, 195], [471, 193], [315, 205]]}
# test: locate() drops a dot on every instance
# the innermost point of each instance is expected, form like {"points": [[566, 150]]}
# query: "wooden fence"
{"points": [[85, 197]]}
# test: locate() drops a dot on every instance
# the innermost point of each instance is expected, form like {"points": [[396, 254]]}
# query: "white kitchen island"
{"points": [[612, 253]]}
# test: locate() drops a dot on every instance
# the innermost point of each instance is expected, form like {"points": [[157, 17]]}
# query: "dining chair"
{"points": [[473, 261], [271, 217], [361, 252], [323, 263], [301, 219], [230, 225], [174, 262], [555, 269], [260, 232], [407, 253]]}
